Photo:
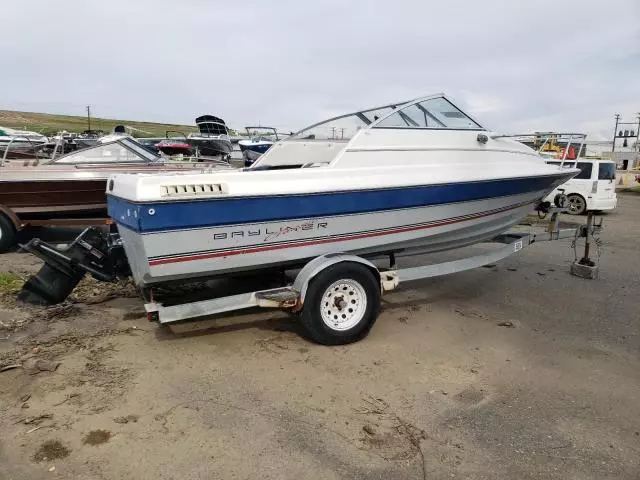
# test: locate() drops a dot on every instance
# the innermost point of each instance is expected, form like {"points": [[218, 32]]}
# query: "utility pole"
{"points": [[615, 132], [89, 116], [638, 134]]}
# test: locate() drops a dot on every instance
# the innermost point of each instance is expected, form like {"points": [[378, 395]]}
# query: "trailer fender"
{"points": [[318, 264], [13, 218]]}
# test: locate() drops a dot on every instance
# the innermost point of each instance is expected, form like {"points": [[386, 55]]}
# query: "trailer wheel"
{"points": [[7, 234], [341, 305]]}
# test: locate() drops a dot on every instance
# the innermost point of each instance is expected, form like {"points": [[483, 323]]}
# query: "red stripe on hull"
{"points": [[305, 243]]}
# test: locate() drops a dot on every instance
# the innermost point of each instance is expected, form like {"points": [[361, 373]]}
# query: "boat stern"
{"points": [[133, 243]]}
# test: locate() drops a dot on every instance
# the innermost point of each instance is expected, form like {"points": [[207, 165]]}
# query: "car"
{"points": [[592, 189]]}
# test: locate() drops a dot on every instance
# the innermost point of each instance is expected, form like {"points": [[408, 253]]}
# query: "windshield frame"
{"points": [[417, 102], [395, 107], [252, 132], [131, 145], [360, 114]]}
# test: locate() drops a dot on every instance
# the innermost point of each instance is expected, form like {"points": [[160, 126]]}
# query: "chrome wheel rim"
{"points": [[576, 204], [343, 305]]}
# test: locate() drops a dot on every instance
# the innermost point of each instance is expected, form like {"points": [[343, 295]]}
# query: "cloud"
{"points": [[516, 65]]}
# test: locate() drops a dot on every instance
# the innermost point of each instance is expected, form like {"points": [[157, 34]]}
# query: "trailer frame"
{"points": [[337, 295], [292, 298]]}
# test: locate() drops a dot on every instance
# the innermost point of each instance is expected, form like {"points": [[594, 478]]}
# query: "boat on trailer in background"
{"points": [[260, 139], [172, 147], [19, 144], [213, 139], [405, 178], [70, 189]]}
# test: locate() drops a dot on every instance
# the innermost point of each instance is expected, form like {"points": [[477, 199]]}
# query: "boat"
{"points": [[260, 140], [213, 138], [76, 183], [61, 143], [20, 143], [88, 138], [416, 176], [73, 186], [173, 147]]}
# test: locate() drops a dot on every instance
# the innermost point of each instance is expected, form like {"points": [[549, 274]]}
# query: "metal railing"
{"points": [[573, 139], [7, 147]]}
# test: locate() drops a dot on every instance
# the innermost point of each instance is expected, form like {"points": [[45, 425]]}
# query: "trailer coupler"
{"points": [[94, 251]]}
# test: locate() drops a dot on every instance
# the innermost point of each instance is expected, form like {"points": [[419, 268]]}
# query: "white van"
{"points": [[592, 189]]}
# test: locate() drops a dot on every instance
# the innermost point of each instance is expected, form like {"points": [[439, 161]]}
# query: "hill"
{"points": [[49, 124]]}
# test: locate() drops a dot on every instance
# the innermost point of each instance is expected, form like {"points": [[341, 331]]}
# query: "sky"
{"points": [[517, 66]]}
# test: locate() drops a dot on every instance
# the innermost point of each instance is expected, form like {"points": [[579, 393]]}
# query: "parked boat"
{"points": [[173, 147], [407, 178], [88, 138], [260, 140], [410, 176], [213, 139], [73, 185], [61, 143], [20, 143]]}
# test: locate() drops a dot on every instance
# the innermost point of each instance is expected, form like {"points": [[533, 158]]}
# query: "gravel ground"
{"points": [[516, 371]]}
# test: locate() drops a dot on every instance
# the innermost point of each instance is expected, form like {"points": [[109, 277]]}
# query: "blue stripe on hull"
{"points": [[187, 214], [259, 148]]}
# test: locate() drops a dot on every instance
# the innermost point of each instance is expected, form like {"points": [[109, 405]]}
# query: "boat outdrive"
{"points": [[93, 251]]}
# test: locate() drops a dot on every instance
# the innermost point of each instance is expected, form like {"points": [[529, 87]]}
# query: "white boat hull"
{"points": [[189, 253], [432, 179]]}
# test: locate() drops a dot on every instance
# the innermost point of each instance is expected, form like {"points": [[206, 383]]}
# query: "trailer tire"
{"points": [[7, 234], [341, 305]]}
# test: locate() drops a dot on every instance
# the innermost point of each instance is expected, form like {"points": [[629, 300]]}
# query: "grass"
{"points": [[10, 282], [49, 124]]}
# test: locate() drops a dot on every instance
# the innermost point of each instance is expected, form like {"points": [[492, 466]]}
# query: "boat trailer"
{"points": [[333, 304]]}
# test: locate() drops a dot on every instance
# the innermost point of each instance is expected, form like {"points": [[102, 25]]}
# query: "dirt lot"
{"points": [[516, 371]]}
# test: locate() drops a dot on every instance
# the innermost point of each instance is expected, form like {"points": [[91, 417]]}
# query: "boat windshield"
{"points": [[122, 150], [435, 112], [262, 133], [210, 126], [346, 126]]}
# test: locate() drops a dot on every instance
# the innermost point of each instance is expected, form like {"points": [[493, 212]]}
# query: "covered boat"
{"points": [[410, 176]]}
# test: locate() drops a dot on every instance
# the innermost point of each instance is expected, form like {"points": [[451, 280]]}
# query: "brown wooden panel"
{"points": [[32, 195]]}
